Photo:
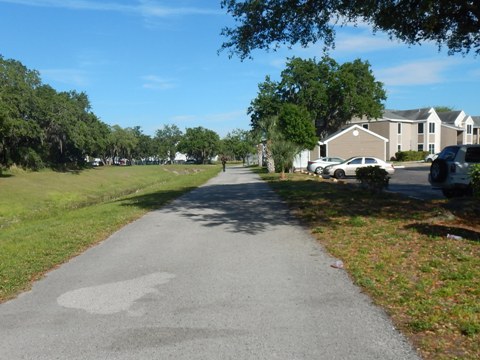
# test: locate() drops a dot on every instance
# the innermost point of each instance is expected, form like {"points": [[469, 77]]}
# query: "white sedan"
{"points": [[316, 166], [349, 166]]}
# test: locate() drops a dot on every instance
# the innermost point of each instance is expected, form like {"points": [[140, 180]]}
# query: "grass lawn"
{"points": [[396, 249], [47, 217]]}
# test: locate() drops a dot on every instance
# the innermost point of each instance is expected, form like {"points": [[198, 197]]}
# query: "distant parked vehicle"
{"points": [[430, 157], [349, 166], [450, 171], [97, 162], [316, 166]]}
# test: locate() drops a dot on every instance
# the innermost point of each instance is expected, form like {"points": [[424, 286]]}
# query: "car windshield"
{"points": [[449, 153]]}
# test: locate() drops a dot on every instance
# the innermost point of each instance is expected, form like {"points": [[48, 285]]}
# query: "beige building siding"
{"points": [[385, 129], [460, 137], [363, 144], [449, 136], [407, 139]]}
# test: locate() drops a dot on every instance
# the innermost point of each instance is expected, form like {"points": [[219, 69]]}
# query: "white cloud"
{"points": [[73, 4], [78, 78], [152, 8], [143, 7], [227, 116], [157, 83], [183, 118], [363, 43], [422, 72]]}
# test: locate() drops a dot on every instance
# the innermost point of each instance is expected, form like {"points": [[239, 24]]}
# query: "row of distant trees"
{"points": [[41, 127]]}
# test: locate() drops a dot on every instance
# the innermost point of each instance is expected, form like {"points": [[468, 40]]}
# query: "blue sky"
{"points": [[150, 63]]}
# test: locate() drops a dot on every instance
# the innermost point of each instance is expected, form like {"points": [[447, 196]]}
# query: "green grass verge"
{"points": [[48, 217], [397, 250]]}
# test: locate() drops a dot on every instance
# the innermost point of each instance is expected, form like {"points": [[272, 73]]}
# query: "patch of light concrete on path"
{"points": [[113, 297]]}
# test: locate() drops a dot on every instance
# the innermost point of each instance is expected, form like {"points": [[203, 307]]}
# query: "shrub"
{"points": [[475, 175], [411, 155], [32, 160], [374, 178]]}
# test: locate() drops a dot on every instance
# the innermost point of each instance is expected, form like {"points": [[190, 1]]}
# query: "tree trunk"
{"points": [[260, 154], [270, 161]]}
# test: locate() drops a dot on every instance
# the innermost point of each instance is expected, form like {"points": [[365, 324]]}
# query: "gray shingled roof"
{"points": [[448, 117], [418, 114], [476, 121], [392, 114]]}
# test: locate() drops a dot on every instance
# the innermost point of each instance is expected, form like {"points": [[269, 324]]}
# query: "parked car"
{"points": [[97, 162], [349, 166], [430, 157], [316, 166], [450, 171]]}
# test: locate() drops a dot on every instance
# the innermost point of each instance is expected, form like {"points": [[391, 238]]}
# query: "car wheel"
{"points": [[319, 170], [339, 174], [438, 170], [429, 160]]}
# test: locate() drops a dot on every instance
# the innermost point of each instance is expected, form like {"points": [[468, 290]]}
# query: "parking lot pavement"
{"points": [[412, 180]]}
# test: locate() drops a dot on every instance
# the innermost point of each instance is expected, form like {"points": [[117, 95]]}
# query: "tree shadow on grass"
{"points": [[444, 230], [333, 200]]}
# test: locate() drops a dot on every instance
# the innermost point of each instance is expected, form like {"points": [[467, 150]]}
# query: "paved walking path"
{"points": [[221, 273]]}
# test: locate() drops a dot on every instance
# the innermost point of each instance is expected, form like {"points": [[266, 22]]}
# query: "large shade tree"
{"points": [[20, 134], [267, 24], [42, 127], [238, 144], [200, 144], [166, 141], [332, 93]]}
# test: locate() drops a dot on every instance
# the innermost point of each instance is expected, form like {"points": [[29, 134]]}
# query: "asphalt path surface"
{"points": [[224, 272]]}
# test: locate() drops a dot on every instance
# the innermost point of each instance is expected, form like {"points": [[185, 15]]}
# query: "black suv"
{"points": [[450, 171]]}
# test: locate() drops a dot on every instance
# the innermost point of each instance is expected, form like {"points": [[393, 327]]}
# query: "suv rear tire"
{"points": [[438, 170]]}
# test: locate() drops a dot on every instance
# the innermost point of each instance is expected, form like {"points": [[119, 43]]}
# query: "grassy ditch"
{"points": [[396, 249], [48, 217]]}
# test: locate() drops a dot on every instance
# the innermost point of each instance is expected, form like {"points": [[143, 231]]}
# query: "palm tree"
{"points": [[266, 131]]}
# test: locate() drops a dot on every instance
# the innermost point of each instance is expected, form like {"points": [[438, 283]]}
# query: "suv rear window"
{"points": [[473, 155], [449, 153]]}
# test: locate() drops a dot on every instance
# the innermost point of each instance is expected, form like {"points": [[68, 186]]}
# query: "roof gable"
{"points": [[345, 130], [456, 118]]}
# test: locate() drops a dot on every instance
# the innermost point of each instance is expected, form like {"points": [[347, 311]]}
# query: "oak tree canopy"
{"points": [[267, 24]]}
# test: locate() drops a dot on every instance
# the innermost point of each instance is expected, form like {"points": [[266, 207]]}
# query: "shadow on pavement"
{"points": [[248, 207]]}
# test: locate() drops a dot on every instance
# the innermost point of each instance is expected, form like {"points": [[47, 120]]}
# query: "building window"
{"points": [[420, 128], [399, 147], [469, 129], [365, 126], [420, 147], [431, 148], [431, 128], [399, 129]]}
